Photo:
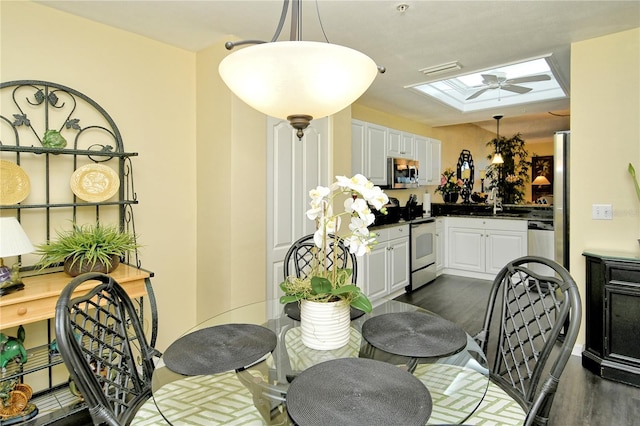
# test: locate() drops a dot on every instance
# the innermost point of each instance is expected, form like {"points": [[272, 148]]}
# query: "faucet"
{"points": [[497, 202]]}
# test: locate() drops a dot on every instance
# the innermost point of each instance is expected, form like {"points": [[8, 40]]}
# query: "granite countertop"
{"points": [[509, 211]]}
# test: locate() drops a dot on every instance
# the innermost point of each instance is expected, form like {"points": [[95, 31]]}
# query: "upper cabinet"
{"points": [[372, 144], [400, 144], [369, 151]]}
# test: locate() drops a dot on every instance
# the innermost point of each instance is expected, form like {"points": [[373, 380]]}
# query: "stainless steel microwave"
{"points": [[402, 173]]}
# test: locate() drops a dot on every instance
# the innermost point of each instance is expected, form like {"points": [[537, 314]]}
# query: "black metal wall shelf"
{"points": [[28, 110]]}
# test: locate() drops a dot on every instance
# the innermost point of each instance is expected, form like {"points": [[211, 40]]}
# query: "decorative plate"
{"points": [[94, 183], [14, 183]]}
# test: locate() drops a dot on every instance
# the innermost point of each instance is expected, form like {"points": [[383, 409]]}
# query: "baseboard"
{"points": [[577, 350]]}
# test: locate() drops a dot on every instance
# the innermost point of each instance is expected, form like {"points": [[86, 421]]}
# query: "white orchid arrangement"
{"points": [[327, 284]]}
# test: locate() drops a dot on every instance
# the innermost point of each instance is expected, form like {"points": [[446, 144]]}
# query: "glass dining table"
{"points": [[256, 394]]}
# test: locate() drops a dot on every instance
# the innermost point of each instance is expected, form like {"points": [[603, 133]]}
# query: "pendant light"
{"points": [[497, 158], [297, 80]]}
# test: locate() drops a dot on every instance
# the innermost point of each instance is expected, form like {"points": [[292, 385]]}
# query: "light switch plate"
{"points": [[601, 212]]}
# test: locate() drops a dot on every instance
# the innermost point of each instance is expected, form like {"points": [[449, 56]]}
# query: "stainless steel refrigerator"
{"points": [[561, 197]]}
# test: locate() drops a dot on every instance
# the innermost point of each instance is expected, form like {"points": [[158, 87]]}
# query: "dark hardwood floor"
{"points": [[582, 398]]}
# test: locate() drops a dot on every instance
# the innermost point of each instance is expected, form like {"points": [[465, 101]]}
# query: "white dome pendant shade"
{"points": [[298, 80]]}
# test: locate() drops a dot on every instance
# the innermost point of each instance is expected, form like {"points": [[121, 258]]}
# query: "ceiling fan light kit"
{"points": [[500, 81], [297, 80]]}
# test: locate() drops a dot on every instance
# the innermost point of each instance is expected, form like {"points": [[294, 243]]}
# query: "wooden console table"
{"points": [[37, 301], [612, 348]]}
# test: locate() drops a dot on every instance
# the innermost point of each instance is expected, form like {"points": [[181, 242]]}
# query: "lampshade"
{"points": [[541, 180], [497, 159], [13, 239], [289, 79]]}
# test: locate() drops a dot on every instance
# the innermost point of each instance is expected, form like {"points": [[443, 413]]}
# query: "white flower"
{"points": [[319, 193], [361, 194]]}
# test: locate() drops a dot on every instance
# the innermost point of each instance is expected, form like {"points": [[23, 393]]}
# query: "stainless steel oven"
{"points": [[423, 252]]}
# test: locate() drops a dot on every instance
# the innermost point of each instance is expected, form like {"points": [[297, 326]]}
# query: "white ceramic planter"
{"points": [[325, 326]]}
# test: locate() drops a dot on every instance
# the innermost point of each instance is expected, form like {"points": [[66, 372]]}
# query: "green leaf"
{"points": [[289, 298], [320, 285], [363, 303], [350, 288], [632, 172]]}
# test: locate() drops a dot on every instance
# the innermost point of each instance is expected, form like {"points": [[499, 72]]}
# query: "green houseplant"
{"points": [[449, 186], [87, 248], [326, 284], [326, 294], [510, 177]]}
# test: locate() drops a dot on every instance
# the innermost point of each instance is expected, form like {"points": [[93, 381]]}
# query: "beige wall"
{"points": [[230, 163], [148, 88], [200, 218], [605, 137]]}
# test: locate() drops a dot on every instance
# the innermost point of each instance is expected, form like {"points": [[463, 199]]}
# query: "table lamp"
{"points": [[541, 180], [13, 242]]}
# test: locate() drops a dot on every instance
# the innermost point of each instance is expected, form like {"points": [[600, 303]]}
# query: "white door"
{"points": [[293, 168]]}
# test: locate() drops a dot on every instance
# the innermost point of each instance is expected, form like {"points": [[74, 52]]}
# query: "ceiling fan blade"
{"points": [[478, 93], [539, 77], [516, 89], [490, 79]]}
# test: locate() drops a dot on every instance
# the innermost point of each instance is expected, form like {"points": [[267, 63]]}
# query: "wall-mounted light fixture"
{"points": [[297, 80]]}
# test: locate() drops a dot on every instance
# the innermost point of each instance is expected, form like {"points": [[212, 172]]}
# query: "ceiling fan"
{"points": [[499, 81]]}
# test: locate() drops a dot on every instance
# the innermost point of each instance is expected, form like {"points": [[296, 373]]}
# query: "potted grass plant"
{"points": [[87, 248]]}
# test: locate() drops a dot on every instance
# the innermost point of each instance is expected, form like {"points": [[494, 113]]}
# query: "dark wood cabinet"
{"points": [[612, 297]]}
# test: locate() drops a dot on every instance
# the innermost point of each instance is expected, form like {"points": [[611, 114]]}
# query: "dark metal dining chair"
{"points": [[102, 343], [531, 301], [302, 254]]}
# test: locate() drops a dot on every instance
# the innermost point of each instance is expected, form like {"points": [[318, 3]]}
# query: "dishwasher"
{"points": [[540, 242]]}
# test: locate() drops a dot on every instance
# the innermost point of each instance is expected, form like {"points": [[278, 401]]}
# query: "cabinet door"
{"points": [[394, 143], [358, 147], [440, 239], [407, 146], [621, 322], [376, 154], [435, 159], [466, 249], [502, 247], [375, 272], [398, 264], [422, 149]]}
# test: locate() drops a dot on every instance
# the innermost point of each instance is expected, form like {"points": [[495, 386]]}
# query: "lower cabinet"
{"points": [[440, 244], [386, 269], [612, 348], [480, 248]]}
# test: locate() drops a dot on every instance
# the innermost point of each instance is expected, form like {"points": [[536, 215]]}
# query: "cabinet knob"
{"points": [[22, 310]]}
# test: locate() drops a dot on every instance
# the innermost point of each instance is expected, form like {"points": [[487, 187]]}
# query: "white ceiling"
{"points": [[477, 34]]}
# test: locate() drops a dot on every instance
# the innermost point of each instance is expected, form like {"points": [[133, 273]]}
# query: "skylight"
{"points": [[513, 84]]}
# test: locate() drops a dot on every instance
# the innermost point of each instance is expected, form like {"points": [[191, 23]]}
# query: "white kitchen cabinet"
{"points": [[369, 151], [440, 245], [428, 154], [385, 270], [400, 144], [482, 247], [435, 161]]}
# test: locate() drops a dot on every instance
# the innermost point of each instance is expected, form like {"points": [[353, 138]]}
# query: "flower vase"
{"points": [[450, 197], [325, 326]]}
